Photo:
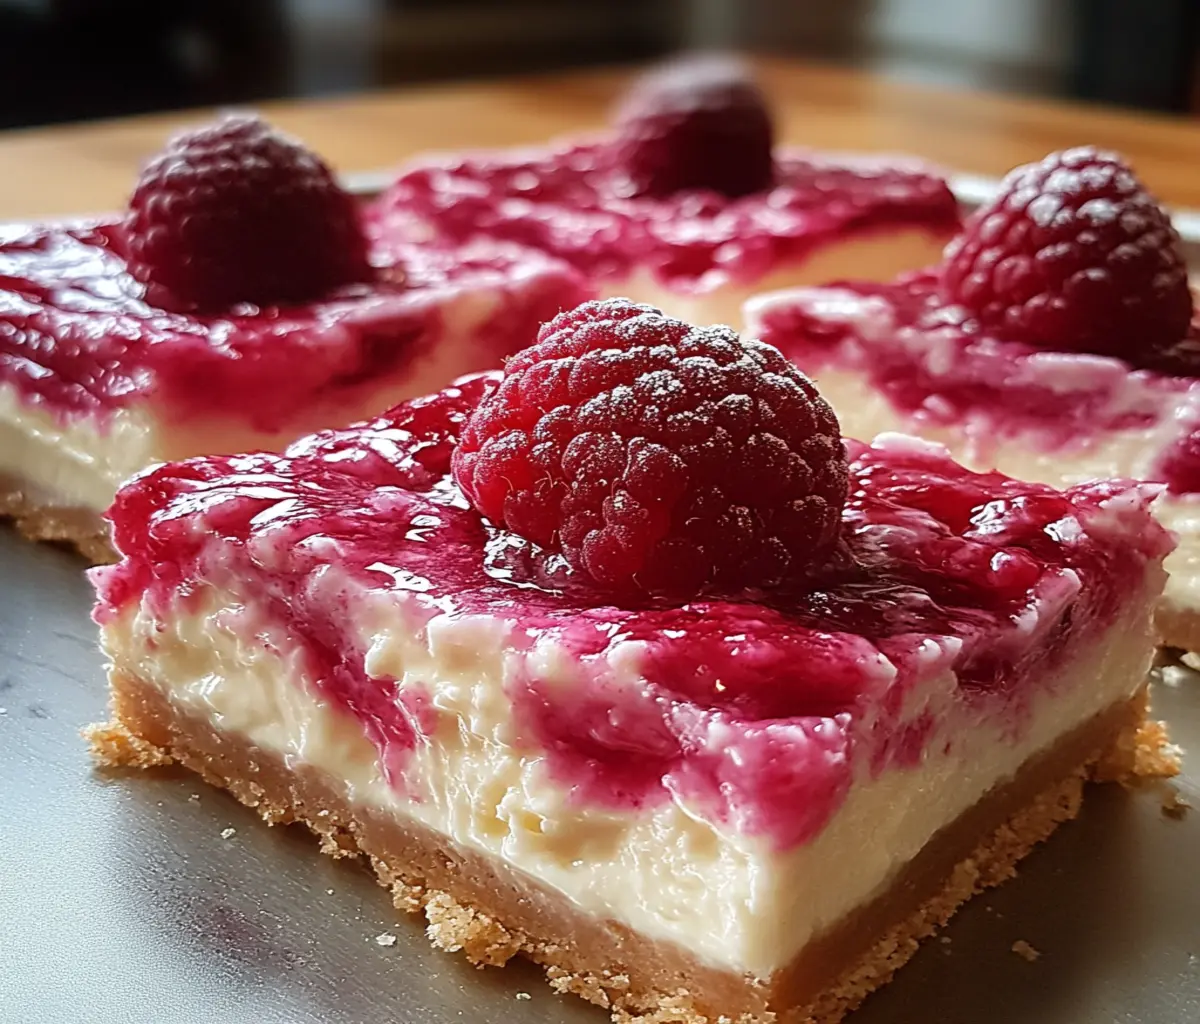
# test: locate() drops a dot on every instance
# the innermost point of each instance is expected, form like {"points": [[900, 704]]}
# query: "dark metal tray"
{"points": [[151, 899]]}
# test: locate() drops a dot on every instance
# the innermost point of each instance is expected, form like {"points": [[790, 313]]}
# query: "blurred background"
{"points": [[65, 60]]}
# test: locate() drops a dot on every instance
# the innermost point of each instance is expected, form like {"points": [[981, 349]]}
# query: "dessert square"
{"points": [[1078, 363], [104, 372], [662, 799], [685, 203]]}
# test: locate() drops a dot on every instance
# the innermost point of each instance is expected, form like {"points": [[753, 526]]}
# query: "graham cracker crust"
{"points": [[490, 912], [80, 528]]}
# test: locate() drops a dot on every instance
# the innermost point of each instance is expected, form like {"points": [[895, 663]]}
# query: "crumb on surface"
{"points": [[194, 798], [524, 996], [1175, 804], [1025, 951], [227, 833], [385, 939], [944, 940]]}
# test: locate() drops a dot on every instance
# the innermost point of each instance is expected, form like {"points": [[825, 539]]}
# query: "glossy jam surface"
{"points": [[755, 709], [77, 337], [570, 201], [932, 362]]}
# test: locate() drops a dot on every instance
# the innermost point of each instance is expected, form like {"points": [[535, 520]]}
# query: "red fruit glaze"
{"points": [[757, 714], [572, 201], [1074, 255], [657, 456], [79, 338], [235, 211], [933, 362], [1178, 465], [696, 124]]}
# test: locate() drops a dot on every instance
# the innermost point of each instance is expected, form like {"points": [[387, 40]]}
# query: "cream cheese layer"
{"points": [[734, 901]]}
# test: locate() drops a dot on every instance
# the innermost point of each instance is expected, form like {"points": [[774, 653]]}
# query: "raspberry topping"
{"points": [[696, 124], [236, 212], [1074, 254], [656, 456]]}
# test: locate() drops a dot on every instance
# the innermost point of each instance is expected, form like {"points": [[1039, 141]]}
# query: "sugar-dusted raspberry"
{"points": [[701, 123], [656, 456], [1074, 254], [235, 212]]}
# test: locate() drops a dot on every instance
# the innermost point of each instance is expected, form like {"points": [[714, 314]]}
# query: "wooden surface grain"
{"points": [[90, 167]]}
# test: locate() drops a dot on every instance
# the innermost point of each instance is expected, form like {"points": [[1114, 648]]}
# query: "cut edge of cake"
{"points": [[474, 906]]}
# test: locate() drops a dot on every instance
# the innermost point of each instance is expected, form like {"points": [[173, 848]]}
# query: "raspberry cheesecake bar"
{"points": [[1056, 342], [614, 660], [686, 202], [242, 301]]}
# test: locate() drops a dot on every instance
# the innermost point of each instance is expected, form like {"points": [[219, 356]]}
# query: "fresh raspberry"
{"points": [[696, 124], [656, 456], [235, 212], [1074, 254]]}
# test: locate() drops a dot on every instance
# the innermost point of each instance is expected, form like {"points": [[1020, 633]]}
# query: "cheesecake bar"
{"points": [[131, 340], [623, 661], [686, 202], [1056, 342]]}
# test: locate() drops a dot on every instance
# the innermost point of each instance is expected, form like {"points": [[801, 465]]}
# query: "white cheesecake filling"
{"points": [[865, 412], [733, 901], [80, 460], [871, 256], [76, 461]]}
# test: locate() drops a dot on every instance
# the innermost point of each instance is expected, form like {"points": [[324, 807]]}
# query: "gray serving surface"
{"points": [[126, 898]]}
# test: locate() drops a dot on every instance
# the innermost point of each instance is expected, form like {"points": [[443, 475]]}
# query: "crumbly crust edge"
{"points": [[1140, 753], [80, 528]]}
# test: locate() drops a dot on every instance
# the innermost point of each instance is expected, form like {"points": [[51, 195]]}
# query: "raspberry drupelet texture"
{"points": [[1074, 254], [701, 123], [658, 457], [237, 212]]}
